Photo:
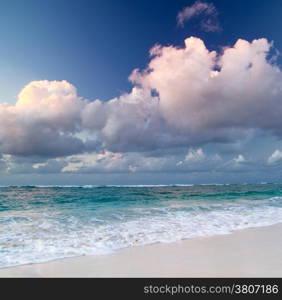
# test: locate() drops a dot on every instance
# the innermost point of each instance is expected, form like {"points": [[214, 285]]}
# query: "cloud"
{"points": [[195, 161], [206, 10], [239, 159], [131, 122], [195, 155], [115, 162], [198, 160], [43, 121], [215, 98], [105, 161], [186, 97], [99, 162], [275, 157], [3, 165]]}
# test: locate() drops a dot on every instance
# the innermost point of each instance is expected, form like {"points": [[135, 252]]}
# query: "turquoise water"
{"points": [[39, 224]]}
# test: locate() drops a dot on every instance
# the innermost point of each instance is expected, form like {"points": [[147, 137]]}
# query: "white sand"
{"points": [[247, 253]]}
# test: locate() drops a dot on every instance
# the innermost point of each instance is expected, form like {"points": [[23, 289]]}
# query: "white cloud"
{"points": [[94, 161], [197, 159], [200, 8], [275, 157], [43, 121], [208, 98], [114, 162], [244, 95], [6, 163], [39, 165], [239, 159], [107, 161], [195, 155]]}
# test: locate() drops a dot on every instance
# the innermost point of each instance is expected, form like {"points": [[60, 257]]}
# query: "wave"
{"points": [[133, 185], [36, 237], [93, 186]]}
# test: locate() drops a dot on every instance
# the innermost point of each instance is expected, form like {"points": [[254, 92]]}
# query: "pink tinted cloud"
{"points": [[206, 10]]}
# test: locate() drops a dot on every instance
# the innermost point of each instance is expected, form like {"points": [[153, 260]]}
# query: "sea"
{"points": [[44, 223]]}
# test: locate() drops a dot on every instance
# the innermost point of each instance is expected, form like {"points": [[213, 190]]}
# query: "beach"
{"points": [[141, 231], [254, 252]]}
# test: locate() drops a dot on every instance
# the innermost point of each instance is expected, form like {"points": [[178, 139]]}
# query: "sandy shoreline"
{"points": [[253, 252]]}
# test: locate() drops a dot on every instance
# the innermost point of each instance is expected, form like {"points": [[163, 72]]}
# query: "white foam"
{"points": [[38, 237]]}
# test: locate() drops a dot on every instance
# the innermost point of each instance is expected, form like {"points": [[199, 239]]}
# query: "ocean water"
{"points": [[39, 224]]}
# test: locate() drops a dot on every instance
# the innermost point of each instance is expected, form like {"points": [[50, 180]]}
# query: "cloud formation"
{"points": [[186, 97], [195, 155], [116, 162], [43, 121], [206, 11], [208, 97], [275, 157]]}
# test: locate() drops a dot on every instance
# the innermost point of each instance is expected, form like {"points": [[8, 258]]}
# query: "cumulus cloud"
{"points": [[43, 121], [105, 161], [239, 159], [194, 161], [211, 97], [195, 155], [275, 157], [186, 97], [198, 160], [131, 122], [132, 162], [206, 10], [102, 162]]}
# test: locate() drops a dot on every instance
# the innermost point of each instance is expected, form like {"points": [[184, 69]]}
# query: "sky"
{"points": [[140, 92]]}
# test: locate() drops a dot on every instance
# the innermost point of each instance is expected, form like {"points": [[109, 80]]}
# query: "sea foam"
{"points": [[38, 226]]}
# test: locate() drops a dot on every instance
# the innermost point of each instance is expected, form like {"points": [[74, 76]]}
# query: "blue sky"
{"points": [[90, 48], [95, 44]]}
